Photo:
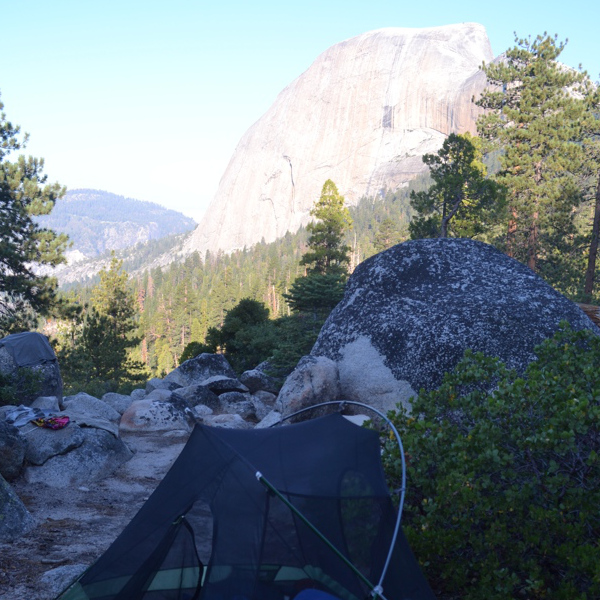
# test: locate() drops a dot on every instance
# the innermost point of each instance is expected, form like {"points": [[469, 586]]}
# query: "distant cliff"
{"points": [[362, 115], [97, 222]]}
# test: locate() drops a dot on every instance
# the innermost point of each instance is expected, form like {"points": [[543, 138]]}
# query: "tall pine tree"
{"points": [[462, 202], [24, 194], [535, 115], [327, 258]]}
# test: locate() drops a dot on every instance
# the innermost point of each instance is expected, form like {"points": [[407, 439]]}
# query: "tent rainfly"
{"points": [[296, 512]]}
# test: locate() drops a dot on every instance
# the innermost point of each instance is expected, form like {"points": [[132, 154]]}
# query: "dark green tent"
{"points": [[289, 508]]}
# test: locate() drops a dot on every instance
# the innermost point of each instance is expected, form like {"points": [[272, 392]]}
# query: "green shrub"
{"points": [[503, 495]]}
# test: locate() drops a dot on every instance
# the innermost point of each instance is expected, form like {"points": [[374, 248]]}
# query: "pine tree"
{"points": [[327, 258], [110, 326], [25, 194], [462, 202], [327, 252], [536, 117]]}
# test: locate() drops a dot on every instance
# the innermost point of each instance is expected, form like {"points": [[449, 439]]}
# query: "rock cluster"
{"points": [[90, 447]]}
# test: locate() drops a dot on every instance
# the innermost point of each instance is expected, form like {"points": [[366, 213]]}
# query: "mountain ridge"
{"points": [[97, 222]]}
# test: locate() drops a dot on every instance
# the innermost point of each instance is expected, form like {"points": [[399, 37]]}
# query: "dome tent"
{"points": [[336, 537]]}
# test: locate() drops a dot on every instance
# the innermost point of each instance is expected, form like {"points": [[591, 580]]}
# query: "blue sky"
{"points": [[148, 99]]}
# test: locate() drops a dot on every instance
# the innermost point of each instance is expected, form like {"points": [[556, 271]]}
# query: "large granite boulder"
{"points": [[100, 454], [155, 415], [28, 361], [409, 313], [197, 394], [198, 369]]}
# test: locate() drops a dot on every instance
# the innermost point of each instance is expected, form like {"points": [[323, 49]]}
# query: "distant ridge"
{"points": [[98, 222]]}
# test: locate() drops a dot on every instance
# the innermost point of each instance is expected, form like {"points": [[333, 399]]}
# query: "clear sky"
{"points": [[148, 99]]}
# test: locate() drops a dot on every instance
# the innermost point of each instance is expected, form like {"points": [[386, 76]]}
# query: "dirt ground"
{"points": [[76, 525]]}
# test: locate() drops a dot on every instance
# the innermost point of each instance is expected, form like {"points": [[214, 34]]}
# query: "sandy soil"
{"points": [[76, 525]]}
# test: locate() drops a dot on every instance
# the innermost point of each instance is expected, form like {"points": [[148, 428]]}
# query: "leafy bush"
{"points": [[504, 486], [192, 350]]}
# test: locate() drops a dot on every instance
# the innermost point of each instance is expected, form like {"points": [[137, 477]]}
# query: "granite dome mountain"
{"points": [[363, 114]]}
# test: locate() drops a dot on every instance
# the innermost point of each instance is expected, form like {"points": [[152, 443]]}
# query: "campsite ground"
{"points": [[75, 525]]}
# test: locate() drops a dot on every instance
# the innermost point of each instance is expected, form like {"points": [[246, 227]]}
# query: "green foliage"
{"points": [[462, 202], [95, 352], [247, 336], [24, 194], [296, 335], [192, 350], [316, 293], [13, 390], [188, 301], [389, 233], [504, 486], [323, 286], [327, 252], [540, 114]]}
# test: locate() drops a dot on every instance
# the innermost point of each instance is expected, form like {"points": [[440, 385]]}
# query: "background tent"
{"points": [[328, 468]]}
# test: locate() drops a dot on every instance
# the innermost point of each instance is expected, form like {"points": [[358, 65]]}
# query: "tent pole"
{"points": [[377, 591], [401, 491]]}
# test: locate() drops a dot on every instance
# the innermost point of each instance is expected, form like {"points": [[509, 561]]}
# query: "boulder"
{"points": [[238, 404], [15, 519], [46, 403], [197, 394], [272, 418], [313, 381], [200, 411], [59, 579], [262, 408], [266, 398], [227, 421], [409, 313], [160, 395], [84, 404], [196, 370], [120, 402], [138, 394], [256, 379], [97, 457], [29, 362], [43, 444], [160, 384], [13, 447], [154, 415], [220, 384]]}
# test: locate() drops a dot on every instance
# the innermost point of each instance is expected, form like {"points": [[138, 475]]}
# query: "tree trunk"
{"points": [[593, 253], [533, 243]]}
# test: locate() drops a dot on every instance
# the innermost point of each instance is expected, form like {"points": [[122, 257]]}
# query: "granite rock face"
{"points": [[362, 115], [409, 313]]}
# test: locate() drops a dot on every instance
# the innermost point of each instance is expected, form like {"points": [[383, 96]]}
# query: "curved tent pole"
{"points": [[378, 589]]}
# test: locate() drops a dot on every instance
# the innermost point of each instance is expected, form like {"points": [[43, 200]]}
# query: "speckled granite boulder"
{"points": [[409, 313], [196, 370]]}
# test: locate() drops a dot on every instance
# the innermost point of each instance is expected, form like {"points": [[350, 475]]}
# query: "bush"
{"points": [[504, 486]]}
